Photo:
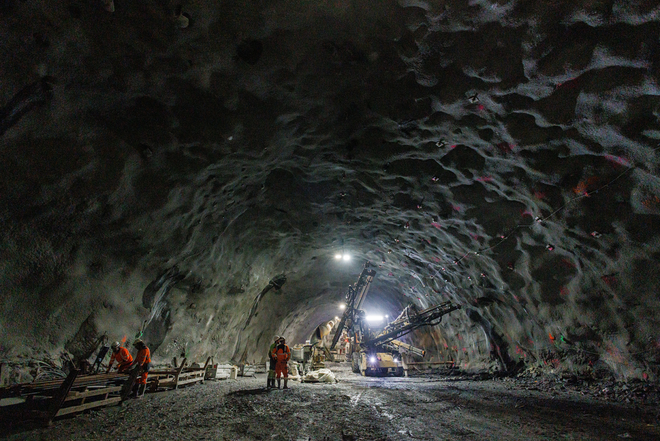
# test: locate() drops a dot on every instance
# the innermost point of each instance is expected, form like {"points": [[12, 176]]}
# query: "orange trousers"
{"points": [[281, 370], [143, 378]]}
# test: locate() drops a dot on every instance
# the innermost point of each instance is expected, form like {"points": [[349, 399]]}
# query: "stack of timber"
{"points": [[46, 400], [177, 376]]}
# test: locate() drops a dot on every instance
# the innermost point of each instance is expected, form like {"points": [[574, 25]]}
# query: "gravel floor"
{"points": [[356, 408]]}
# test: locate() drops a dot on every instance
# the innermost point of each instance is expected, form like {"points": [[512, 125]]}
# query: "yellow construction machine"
{"points": [[378, 353]]}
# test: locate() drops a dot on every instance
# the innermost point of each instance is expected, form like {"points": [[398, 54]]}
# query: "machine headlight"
{"points": [[372, 359], [396, 360]]}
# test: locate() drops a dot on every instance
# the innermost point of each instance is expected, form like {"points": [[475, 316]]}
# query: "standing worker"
{"points": [[143, 364], [121, 355], [271, 364], [282, 354]]}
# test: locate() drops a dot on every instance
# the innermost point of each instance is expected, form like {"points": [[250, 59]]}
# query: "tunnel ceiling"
{"points": [[501, 155]]}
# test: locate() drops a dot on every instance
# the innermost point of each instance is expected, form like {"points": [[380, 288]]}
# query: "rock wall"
{"points": [[502, 155]]}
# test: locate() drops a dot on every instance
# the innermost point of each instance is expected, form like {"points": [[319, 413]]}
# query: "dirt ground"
{"points": [[357, 408]]}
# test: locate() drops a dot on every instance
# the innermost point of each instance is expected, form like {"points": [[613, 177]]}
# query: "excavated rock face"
{"points": [[502, 155]]}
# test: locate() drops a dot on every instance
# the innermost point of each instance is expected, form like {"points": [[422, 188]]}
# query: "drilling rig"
{"points": [[379, 352]]}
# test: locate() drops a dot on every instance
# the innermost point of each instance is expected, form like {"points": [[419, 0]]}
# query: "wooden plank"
{"points": [[192, 380], [50, 388], [58, 399], [191, 374], [176, 377], [167, 383], [73, 395], [91, 405], [130, 381]]}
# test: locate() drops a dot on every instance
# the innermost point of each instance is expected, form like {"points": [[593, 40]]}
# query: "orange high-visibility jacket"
{"points": [[122, 357], [282, 355], [143, 356]]}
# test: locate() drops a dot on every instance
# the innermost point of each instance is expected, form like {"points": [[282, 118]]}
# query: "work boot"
{"points": [[140, 391], [267, 383], [278, 383], [285, 381]]}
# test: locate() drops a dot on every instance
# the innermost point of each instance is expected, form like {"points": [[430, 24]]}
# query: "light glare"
{"points": [[338, 256], [342, 306], [346, 257], [372, 359], [374, 318]]}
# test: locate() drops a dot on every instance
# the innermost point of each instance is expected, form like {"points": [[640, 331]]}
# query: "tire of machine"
{"points": [[355, 362], [363, 359]]}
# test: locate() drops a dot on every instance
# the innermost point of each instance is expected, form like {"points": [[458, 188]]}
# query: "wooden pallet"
{"points": [[178, 376], [47, 400]]}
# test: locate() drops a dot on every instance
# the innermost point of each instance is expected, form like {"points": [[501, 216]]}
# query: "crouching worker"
{"points": [[271, 364], [282, 354], [121, 355], [142, 363]]}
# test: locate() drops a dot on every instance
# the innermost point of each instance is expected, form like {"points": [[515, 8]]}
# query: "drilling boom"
{"points": [[354, 300], [408, 322]]}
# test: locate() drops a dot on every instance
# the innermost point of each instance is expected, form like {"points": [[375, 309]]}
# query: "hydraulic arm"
{"points": [[377, 352], [408, 321], [354, 300]]}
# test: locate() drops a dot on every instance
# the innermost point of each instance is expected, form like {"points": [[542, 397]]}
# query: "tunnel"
{"points": [[205, 175]]}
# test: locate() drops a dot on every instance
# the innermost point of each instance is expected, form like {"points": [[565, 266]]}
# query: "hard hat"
{"points": [[115, 345], [137, 342], [277, 337]]}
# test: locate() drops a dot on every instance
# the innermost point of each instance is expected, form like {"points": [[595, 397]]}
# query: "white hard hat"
{"points": [[115, 345]]}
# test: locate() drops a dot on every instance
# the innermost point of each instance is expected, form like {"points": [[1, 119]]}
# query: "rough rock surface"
{"points": [[499, 154]]}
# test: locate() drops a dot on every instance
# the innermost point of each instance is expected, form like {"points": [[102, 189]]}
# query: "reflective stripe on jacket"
{"points": [[282, 353], [122, 357], [143, 356]]}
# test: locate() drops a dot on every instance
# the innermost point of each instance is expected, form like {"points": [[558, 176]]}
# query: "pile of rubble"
{"points": [[607, 389]]}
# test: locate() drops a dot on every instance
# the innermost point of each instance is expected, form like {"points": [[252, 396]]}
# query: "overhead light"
{"points": [[336, 318], [346, 257], [338, 256], [342, 306], [387, 316], [374, 318]]}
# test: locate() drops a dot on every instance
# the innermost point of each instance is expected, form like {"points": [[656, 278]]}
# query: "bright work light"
{"points": [[374, 318]]}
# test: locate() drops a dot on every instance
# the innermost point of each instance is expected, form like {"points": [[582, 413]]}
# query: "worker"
{"points": [[142, 363], [282, 354], [271, 364], [121, 355]]}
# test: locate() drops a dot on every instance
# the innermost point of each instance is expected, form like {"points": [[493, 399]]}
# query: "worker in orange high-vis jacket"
{"points": [[143, 364], [282, 354], [121, 356]]}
